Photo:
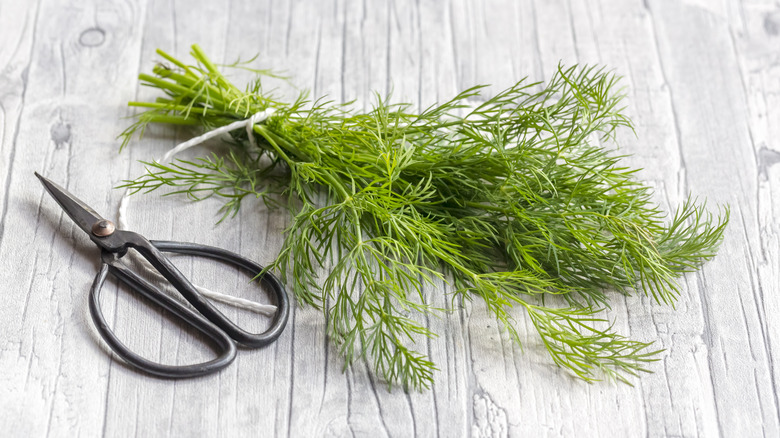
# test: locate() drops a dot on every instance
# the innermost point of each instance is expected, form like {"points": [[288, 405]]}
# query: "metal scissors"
{"points": [[114, 244]]}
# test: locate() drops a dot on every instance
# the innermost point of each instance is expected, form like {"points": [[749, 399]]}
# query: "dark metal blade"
{"points": [[82, 214]]}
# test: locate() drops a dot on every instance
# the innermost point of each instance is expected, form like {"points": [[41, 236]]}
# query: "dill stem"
{"points": [[190, 82], [179, 108], [176, 88], [177, 63], [170, 119], [198, 54], [488, 207], [277, 142]]}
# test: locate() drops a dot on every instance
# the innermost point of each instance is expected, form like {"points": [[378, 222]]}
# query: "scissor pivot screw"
{"points": [[103, 228]]}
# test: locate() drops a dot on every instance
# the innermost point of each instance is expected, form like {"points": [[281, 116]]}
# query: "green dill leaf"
{"points": [[515, 200]]}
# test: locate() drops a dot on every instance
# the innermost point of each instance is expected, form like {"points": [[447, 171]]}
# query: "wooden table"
{"points": [[703, 85]]}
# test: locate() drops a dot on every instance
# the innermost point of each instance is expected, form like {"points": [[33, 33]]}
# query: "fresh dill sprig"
{"points": [[511, 200]]}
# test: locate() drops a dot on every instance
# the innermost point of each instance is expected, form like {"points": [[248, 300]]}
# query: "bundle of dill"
{"points": [[509, 200]]}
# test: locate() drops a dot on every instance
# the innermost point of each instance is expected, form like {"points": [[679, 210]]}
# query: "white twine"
{"points": [[124, 203]]}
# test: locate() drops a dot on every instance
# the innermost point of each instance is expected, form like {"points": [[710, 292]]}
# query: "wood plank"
{"points": [[703, 87], [715, 141], [72, 93]]}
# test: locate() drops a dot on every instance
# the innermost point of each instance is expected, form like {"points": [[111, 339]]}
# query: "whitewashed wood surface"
{"points": [[703, 85]]}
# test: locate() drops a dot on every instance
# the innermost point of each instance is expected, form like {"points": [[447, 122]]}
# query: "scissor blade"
{"points": [[82, 214]]}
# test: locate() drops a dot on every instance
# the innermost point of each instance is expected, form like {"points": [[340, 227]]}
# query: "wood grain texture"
{"points": [[703, 84]]}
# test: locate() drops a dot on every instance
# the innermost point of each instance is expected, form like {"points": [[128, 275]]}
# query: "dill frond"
{"points": [[511, 201]]}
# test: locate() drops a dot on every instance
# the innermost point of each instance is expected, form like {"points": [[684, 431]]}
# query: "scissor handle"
{"points": [[151, 251], [227, 348]]}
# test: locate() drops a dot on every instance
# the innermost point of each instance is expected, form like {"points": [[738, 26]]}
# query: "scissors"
{"points": [[114, 244]]}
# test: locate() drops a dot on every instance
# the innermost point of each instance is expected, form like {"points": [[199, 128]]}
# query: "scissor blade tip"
{"points": [[45, 181], [42, 178]]}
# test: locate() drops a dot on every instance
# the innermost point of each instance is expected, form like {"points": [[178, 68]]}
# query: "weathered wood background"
{"points": [[703, 80]]}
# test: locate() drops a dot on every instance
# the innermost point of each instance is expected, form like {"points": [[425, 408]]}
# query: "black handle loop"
{"points": [[227, 348], [204, 306], [210, 321], [151, 251]]}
